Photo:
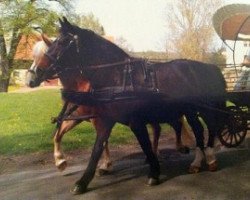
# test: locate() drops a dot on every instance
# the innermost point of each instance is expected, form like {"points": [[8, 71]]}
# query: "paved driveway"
{"points": [[231, 181]]}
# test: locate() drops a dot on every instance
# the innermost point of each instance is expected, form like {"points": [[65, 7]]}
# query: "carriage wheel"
{"points": [[235, 130]]}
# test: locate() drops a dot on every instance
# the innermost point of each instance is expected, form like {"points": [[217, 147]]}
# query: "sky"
{"points": [[142, 23]]}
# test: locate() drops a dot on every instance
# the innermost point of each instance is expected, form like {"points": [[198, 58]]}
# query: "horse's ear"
{"points": [[65, 20], [66, 27], [61, 22], [47, 40]]}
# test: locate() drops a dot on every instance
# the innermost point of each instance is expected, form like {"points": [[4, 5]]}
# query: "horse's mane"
{"points": [[98, 46]]}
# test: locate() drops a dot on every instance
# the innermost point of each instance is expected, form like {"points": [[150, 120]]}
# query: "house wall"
{"points": [[240, 51], [18, 77]]}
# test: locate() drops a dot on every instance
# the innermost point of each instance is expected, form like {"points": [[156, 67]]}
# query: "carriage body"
{"points": [[232, 23]]}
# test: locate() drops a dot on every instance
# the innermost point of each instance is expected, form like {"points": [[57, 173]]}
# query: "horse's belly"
{"points": [[147, 112]]}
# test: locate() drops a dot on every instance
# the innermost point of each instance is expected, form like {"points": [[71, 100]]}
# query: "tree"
{"points": [[89, 21], [18, 18], [123, 43], [190, 27], [217, 57]]}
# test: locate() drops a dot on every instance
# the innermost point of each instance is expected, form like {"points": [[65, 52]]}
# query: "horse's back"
{"points": [[183, 78]]}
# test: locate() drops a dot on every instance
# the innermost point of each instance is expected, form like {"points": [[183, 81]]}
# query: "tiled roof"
{"points": [[25, 46]]}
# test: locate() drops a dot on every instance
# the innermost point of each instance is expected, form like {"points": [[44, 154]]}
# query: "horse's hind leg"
{"points": [[156, 135], [198, 130], [106, 163], [215, 123], [186, 134], [209, 151], [141, 133], [60, 161], [178, 127]]}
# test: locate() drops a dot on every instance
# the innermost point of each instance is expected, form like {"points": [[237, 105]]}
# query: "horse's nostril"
{"points": [[33, 84]]}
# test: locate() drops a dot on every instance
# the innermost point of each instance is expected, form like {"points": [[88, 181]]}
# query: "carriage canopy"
{"points": [[232, 22]]}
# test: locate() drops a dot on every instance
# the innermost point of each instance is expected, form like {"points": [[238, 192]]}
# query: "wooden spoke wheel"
{"points": [[235, 129]]}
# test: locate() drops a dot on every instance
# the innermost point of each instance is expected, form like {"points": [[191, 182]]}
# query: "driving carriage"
{"points": [[232, 24]]}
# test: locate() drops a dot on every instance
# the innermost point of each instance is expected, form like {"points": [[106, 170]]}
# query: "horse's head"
{"points": [[72, 55], [53, 58], [33, 78]]}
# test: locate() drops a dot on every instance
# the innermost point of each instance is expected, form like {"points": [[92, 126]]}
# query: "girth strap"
{"points": [[95, 98]]}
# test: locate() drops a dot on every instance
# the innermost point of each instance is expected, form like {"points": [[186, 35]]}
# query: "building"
{"points": [[24, 53], [241, 48]]}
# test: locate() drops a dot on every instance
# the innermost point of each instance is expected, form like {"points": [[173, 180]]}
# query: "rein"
{"points": [[57, 69], [125, 91], [97, 97], [108, 65]]}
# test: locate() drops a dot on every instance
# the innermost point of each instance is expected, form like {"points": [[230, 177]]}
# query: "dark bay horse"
{"points": [[105, 166], [180, 87]]}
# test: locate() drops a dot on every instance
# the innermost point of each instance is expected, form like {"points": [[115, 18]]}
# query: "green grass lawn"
{"points": [[25, 124]]}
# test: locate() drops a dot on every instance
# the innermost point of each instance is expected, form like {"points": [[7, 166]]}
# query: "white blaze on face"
{"points": [[39, 50]]}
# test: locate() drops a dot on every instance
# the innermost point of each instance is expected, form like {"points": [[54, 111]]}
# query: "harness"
{"points": [[97, 96], [127, 90]]}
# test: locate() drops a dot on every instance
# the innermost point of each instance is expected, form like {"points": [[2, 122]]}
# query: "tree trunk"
{"points": [[4, 83], [6, 60], [4, 69], [4, 75]]}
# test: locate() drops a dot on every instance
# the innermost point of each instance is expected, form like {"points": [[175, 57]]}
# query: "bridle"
{"points": [[127, 66], [55, 69]]}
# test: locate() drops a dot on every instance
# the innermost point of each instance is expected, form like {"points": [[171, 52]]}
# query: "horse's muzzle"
{"points": [[33, 84]]}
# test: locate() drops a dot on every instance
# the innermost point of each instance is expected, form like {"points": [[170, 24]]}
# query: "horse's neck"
{"points": [[76, 84], [99, 58], [98, 50]]}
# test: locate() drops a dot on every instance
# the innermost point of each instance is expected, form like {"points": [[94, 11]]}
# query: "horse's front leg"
{"points": [[60, 160], [178, 127], [103, 130], [141, 133], [106, 164]]}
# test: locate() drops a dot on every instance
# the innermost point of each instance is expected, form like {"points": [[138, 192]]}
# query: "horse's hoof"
{"points": [[194, 169], [212, 167], [61, 165], [153, 181], [184, 150], [102, 172], [78, 189]]}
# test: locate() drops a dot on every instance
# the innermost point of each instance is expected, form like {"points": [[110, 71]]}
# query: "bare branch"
{"points": [[191, 28]]}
